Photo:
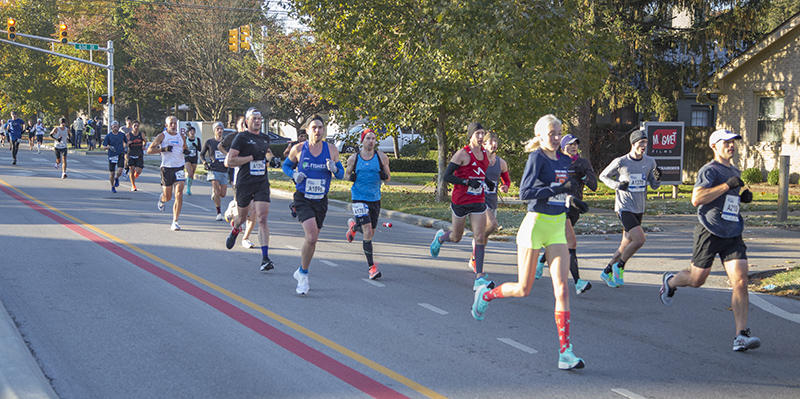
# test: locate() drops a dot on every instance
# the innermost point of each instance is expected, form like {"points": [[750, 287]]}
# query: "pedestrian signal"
{"points": [[63, 33], [244, 37], [12, 29], [233, 40], [103, 99]]}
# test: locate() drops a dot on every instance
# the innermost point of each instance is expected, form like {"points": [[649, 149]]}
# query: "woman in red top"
{"points": [[467, 173]]}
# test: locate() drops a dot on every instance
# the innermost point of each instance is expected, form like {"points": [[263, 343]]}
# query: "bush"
{"points": [[412, 165], [414, 149], [278, 149], [752, 175], [773, 176]]}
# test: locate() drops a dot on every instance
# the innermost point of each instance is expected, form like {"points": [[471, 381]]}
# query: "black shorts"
{"points": [[573, 215], [247, 193], [307, 209], [466, 209], [630, 220], [172, 176], [113, 166], [31, 134], [137, 162], [61, 152], [373, 212], [192, 160], [707, 246], [40, 138]]}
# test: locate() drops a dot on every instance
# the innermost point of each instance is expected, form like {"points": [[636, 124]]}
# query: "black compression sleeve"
{"points": [[449, 175]]}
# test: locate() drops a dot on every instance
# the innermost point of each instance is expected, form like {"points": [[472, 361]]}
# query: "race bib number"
{"points": [[192, 153], [360, 209], [637, 183], [730, 211], [180, 175], [315, 189], [114, 159], [219, 155], [257, 168]]}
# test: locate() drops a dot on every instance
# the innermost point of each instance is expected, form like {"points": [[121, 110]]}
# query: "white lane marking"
{"points": [[766, 306], [518, 345], [432, 308], [373, 282], [292, 247], [329, 263], [626, 393]]}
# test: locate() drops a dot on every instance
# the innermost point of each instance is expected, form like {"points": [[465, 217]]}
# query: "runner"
{"points": [[230, 213], [172, 147], [316, 161], [216, 171], [61, 136], [497, 170], [116, 143], [136, 144], [195, 146], [31, 130], [584, 174], [3, 132], [126, 130], [467, 173], [366, 170], [301, 137], [629, 175], [719, 232], [545, 184], [15, 127], [39, 128], [249, 151]]}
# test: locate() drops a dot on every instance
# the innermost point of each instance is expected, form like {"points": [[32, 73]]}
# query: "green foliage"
{"points": [[278, 149], [415, 149], [773, 177], [412, 165], [752, 175]]}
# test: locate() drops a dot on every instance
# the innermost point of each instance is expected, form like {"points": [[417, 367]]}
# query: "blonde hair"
{"points": [[542, 127]]}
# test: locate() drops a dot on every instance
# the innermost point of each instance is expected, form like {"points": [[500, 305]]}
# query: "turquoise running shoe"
{"points": [[609, 279], [483, 281], [539, 267], [618, 274], [435, 244], [479, 305], [582, 286], [568, 361]]}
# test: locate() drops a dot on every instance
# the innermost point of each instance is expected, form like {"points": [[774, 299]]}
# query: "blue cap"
{"points": [[569, 139]]}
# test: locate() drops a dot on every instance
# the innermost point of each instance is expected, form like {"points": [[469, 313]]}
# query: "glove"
{"points": [[207, 165], [490, 184], [657, 173], [382, 175], [581, 206], [298, 177], [474, 183], [734, 182], [166, 149], [185, 151], [623, 186], [567, 186], [353, 177], [275, 162], [746, 197], [331, 166]]}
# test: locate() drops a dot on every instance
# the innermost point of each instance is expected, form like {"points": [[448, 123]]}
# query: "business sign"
{"points": [[665, 145]]}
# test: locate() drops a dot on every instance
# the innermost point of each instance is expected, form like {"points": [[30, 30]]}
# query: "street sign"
{"points": [[665, 144], [85, 46]]}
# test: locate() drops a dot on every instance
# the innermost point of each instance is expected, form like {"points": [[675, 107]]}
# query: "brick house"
{"points": [[759, 98]]}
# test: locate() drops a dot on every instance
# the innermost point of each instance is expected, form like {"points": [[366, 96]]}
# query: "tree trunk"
{"points": [[580, 127], [441, 141], [396, 146]]}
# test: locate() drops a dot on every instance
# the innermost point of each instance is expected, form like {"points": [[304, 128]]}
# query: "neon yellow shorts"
{"points": [[540, 230]]}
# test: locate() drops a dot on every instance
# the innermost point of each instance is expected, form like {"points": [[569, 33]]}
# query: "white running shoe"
{"points": [[175, 227], [231, 212], [247, 244], [743, 341], [302, 282], [219, 217]]}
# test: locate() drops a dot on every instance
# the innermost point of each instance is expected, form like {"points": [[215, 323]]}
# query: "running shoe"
{"points": [[136, 174], [125, 175], [539, 267], [351, 234], [471, 263], [230, 213], [113, 190], [617, 274], [302, 282], [373, 272], [582, 286], [55, 165], [267, 265], [63, 175], [188, 191], [568, 361], [479, 305], [175, 226], [292, 210], [744, 341], [232, 238], [116, 182], [483, 280], [608, 278], [435, 244], [219, 217], [133, 188], [666, 292], [14, 162], [160, 205], [247, 244]]}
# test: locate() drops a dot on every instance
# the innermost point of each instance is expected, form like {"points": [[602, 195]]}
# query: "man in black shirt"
{"points": [[214, 162]]}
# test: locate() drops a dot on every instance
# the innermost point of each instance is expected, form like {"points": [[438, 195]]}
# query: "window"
{"points": [[625, 116], [770, 119], [701, 116]]}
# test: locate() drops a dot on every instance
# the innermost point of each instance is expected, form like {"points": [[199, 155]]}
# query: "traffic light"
{"points": [[103, 99], [233, 40], [12, 29], [63, 33], [244, 37]]}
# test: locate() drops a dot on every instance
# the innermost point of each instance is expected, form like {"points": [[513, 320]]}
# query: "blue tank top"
{"points": [[367, 186], [318, 178]]}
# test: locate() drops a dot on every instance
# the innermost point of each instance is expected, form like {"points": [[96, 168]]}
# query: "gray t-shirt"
{"points": [[638, 173], [721, 216]]}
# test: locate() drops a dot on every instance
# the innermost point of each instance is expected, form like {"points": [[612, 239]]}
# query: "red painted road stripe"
{"points": [[359, 381]]}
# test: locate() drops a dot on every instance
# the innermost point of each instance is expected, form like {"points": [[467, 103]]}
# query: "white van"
{"points": [[348, 143]]}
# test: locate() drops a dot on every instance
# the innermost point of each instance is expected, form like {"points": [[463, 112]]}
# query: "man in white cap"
{"points": [[629, 175], [719, 232], [116, 143]]}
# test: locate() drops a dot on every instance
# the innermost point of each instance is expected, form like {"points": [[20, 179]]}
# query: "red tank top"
{"points": [[475, 169]]}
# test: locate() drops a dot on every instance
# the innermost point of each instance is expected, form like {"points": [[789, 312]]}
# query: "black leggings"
{"points": [[14, 148]]}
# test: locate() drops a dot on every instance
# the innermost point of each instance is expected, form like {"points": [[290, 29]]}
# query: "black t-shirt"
{"points": [[256, 145], [213, 155], [228, 140]]}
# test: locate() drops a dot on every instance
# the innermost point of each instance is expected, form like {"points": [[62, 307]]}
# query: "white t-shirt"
{"points": [[61, 136]]}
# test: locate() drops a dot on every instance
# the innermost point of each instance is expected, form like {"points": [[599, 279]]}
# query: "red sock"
{"points": [[495, 292], [562, 322]]}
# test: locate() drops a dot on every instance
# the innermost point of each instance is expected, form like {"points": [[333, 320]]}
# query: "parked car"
{"points": [[349, 143], [274, 138]]}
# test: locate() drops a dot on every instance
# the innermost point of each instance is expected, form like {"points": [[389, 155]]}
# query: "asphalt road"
{"points": [[115, 305]]}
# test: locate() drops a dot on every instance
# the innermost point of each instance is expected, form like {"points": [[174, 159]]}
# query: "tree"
{"points": [[442, 63]]}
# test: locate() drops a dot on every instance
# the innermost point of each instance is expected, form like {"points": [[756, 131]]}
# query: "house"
{"points": [[759, 98]]}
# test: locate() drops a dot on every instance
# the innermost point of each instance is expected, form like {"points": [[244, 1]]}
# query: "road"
{"points": [[115, 305]]}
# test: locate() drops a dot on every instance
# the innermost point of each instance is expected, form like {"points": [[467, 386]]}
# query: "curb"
{"points": [[20, 374]]}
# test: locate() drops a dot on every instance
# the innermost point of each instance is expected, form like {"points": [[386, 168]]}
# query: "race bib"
{"points": [[219, 155], [114, 159], [730, 211], [192, 153], [257, 168], [180, 175], [360, 209], [558, 199], [637, 183], [475, 191], [315, 188]]}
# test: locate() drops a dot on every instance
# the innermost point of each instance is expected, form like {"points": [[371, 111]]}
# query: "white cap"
{"points": [[115, 123], [722, 134]]}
